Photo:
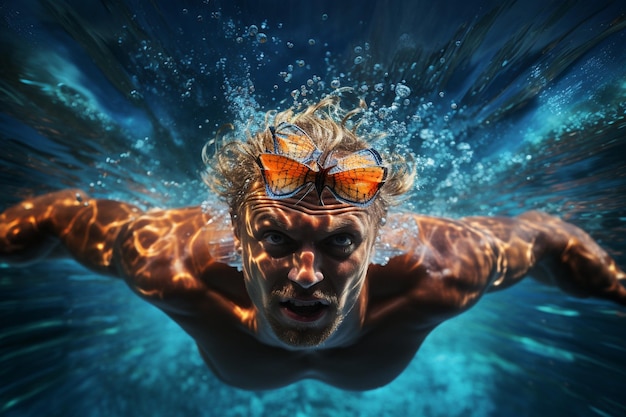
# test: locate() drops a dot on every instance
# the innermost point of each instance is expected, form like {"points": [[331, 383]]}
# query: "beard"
{"points": [[304, 335]]}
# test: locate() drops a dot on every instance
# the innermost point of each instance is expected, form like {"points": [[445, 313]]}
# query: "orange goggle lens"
{"points": [[294, 165]]}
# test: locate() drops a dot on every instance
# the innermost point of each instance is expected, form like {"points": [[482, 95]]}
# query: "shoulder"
{"points": [[440, 265], [419, 236], [166, 252]]}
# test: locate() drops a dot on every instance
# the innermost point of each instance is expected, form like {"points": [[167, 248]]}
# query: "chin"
{"points": [[295, 334], [303, 338]]}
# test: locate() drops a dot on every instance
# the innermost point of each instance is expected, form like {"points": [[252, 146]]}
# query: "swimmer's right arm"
{"points": [[66, 222], [165, 256]]}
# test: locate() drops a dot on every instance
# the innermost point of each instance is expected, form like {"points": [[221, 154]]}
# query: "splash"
{"points": [[469, 105]]}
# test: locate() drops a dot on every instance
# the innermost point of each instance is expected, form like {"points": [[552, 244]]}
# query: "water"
{"points": [[508, 107]]}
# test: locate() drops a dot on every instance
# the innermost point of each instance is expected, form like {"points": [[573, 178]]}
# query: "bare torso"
{"points": [[386, 342], [406, 299], [171, 259], [237, 357]]}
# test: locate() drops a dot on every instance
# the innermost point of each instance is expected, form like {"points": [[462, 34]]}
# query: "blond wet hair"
{"points": [[233, 173]]}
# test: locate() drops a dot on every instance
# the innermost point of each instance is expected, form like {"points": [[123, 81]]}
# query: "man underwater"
{"points": [[308, 203]]}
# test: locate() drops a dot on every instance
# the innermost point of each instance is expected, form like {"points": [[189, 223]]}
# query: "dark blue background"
{"points": [[513, 106]]}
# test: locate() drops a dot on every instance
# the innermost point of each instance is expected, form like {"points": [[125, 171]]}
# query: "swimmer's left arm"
{"points": [[554, 252]]}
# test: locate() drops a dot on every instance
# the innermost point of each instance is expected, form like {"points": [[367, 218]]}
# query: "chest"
{"points": [[238, 359]]}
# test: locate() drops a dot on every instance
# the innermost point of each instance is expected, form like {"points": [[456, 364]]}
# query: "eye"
{"points": [[342, 240], [342, 245], [277, 244], [275, 238]]}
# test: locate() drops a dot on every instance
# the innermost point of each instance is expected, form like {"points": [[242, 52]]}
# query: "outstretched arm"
{"points": [[66, 222], [166, 256], [555, 252]]}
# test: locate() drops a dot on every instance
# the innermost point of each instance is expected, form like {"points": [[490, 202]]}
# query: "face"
{"points": [[304, 265]]}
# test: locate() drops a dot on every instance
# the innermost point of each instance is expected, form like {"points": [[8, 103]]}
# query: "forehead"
{"points": [[293, 213]]}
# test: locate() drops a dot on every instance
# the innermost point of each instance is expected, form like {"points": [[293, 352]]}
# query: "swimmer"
{"points": [[308, 207]]}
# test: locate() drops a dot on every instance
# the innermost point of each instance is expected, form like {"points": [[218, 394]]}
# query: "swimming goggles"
{"points": [[294, 165]]}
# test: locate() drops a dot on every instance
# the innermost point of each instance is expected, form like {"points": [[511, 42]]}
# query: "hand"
{"points": [[574, 261]]}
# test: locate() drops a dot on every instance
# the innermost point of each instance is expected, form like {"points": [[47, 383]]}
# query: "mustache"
{"points": [[291, 290]]}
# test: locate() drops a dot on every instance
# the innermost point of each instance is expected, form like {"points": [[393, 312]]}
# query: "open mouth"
{"points": [[304, 310]]}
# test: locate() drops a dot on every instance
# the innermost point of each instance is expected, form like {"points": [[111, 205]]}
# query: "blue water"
{"points": [[508, 106]]}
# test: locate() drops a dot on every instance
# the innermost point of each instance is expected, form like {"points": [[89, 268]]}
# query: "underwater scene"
{"points": [[507, 106]]}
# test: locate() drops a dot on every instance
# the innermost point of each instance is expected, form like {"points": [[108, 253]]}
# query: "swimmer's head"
{"points": [[307, 196], [321, 137]]}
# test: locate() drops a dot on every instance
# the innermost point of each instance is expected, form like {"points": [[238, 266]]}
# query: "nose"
{"points": [[305, 272]]}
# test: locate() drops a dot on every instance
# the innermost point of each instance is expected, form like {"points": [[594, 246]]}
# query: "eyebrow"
{"points": [[274, 221], [337, 225], [268, 218], [341, 222]]}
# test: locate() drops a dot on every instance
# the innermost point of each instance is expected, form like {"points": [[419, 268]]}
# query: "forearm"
{"points": [[554, 252], [25, 235], [570, 259], [84, 227]]}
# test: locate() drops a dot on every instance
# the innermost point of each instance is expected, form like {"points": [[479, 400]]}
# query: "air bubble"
{"points": [[402, 91]]}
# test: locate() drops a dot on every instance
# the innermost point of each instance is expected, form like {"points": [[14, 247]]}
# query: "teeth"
{"points": [[298, 303], [303, 303]]}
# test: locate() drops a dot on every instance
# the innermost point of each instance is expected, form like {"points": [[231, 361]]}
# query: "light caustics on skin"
{"points": [[304, 264], [446, 114]]}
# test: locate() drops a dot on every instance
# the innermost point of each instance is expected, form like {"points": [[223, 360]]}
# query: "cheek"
{"points": [[351, 271], [354, 269], [260, 269], [255, 279]]}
